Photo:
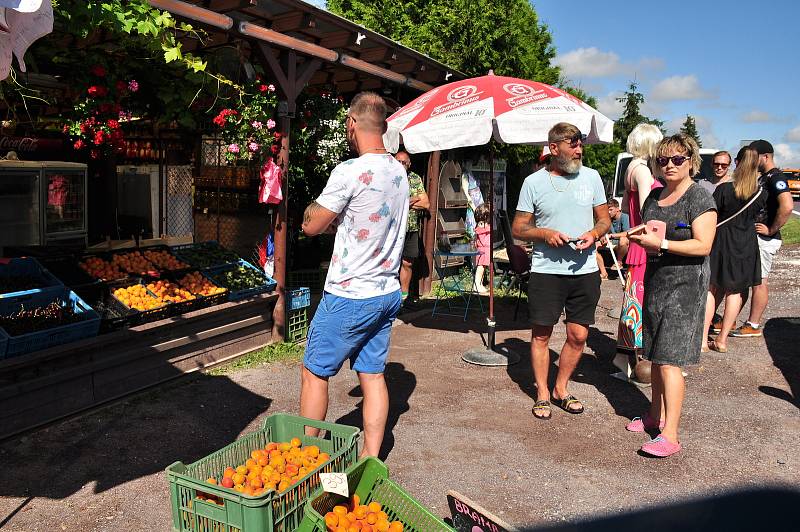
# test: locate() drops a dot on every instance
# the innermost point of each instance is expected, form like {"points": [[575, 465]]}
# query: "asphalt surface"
{"points": [[451, 426]]}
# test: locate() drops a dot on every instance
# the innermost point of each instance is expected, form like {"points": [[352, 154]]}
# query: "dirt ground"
{"points": [[451, 426]]}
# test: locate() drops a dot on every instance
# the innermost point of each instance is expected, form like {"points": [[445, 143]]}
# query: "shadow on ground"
{"points": [[143, 435], [781, 335], [626, 399], [770, 509], [401, 384]]}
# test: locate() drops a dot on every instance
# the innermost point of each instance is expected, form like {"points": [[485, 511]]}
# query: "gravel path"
{"points": [[452, 426]]}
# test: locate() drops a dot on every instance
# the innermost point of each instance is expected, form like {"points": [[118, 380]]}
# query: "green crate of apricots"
{"points": [[375, 504], [261, 482]]}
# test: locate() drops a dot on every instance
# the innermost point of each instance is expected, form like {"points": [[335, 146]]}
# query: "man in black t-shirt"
{"points": [[775, 214]]}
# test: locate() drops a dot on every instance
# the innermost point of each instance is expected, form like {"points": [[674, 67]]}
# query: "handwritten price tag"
{"points": [[334, 483]]}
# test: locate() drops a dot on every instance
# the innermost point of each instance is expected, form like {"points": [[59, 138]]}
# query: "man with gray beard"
{"points": [[562, 209]]}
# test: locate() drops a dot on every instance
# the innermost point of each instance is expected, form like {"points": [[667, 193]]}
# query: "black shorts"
{"points": [[411, 247], [576, 295]]}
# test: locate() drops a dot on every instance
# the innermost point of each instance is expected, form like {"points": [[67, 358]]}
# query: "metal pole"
{"points": [[490, 320]]}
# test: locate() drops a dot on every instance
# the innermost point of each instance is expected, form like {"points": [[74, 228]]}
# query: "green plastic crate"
{"points": [[369, 479], [297, 325], [271, 511]]}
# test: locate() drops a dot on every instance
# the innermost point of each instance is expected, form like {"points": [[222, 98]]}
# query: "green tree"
{"points": [[472, 36], [631, 114], [689, 128]]}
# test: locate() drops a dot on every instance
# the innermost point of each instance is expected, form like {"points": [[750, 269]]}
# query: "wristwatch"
{"points": [[664, 245]]}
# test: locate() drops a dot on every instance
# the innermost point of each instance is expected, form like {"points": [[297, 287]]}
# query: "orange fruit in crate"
{"points": [[340, 510], [211, 480], [382, 525], [396, 526], [331, 520]]}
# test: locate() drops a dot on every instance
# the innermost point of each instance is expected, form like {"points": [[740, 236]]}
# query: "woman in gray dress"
{"points": [[675, 286]]}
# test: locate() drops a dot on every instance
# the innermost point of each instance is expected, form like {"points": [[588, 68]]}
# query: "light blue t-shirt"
{"points": [[563, 203]]}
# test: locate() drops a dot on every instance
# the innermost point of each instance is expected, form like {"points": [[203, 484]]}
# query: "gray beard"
{"points": [[568, 166]]}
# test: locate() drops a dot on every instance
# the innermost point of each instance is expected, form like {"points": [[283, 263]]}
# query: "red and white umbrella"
{"points": [[473, 111]]}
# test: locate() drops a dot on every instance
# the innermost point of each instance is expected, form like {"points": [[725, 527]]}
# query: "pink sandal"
{"points": [[661, 447], [641, 424]]}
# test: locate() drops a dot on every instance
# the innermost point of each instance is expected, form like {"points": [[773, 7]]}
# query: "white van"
{"points": [[625, 158]]}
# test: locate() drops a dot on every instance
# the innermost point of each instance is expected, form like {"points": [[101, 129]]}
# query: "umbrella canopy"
{"points": [[473, 111]]}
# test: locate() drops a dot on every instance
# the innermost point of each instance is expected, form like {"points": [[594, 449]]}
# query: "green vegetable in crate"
{"points": [[204, 256], [19, 283], [25, 321], [242, 277]]}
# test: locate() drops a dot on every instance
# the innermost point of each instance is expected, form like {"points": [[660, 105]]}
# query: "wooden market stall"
{"points": [[300, 46]]}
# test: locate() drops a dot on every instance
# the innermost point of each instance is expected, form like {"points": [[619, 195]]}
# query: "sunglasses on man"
{"points": [[575, 140]]}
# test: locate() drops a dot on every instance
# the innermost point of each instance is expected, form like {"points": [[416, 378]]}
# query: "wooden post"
{"points": [[290, 81], [430, 224], [280, 233]]}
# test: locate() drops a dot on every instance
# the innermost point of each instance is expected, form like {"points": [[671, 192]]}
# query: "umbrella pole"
{"points": [[491, 355], [490, 320]]}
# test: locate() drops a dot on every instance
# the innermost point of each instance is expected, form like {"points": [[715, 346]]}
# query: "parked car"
{"points": [[624, 159], [793, 178]]}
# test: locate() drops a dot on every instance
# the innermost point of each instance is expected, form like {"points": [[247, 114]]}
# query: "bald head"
{"points": [[369, 111]]}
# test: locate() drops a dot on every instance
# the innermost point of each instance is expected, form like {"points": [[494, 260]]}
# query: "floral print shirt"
{"points": [[370, 194]]}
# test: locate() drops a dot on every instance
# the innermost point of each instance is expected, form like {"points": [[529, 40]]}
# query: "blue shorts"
{"points": [[355, 329]]}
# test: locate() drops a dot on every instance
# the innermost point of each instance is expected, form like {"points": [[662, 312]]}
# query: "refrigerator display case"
{"points": [[42, 203]]}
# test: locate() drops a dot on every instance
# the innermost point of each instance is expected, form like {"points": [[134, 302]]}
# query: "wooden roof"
{"points": [[353, 57]]}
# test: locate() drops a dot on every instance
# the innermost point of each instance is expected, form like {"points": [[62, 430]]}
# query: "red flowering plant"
{"points": [[248, 128], [105, 103]]}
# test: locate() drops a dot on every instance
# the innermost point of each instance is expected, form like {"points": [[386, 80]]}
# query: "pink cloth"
{"points": [[636, 253], [270, 189], [483, 234]]}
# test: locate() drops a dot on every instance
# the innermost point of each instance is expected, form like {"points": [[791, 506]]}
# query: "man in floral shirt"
{"points": [[417, 202], [365, 202]]}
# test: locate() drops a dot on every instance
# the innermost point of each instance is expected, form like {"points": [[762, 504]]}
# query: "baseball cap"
{"points": [[545, 154], [762, 146]]}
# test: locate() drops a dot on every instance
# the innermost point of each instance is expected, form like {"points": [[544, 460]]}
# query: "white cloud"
{"points": [[705, 128], [756, 116], [786, 156], [609, 106], [595, 63], [793, 135], [588, 62], [680, 88]]}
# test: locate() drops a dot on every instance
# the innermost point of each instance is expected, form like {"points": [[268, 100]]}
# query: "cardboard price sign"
{"points": [[469, 517]]}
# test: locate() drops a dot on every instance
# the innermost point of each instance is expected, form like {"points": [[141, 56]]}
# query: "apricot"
{"points": [[238, 478], [312, 451], [339, 509], [242, 470], [396, 526], [331, 520], [227, 482], [372, 518], [211, 480], [239, 488], [271, 446], [382, 525], [283, 485], [323, 457], [285, 446], [374, 507], [229, 472], [296, 442], [250, 463]]}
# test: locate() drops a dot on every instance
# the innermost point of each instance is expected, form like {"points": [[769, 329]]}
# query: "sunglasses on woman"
{"points": [[677, 160]]}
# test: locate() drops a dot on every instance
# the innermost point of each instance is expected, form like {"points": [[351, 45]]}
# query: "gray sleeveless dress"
{"points": [[675, 287]]}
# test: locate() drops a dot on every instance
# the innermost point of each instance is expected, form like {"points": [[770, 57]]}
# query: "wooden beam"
{"points": [[223, 6], [336, 39], [293, 21], [429, 225]]}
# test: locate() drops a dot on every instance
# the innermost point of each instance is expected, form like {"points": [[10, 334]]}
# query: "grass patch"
{"points": [[790, 232], [282, 352]]}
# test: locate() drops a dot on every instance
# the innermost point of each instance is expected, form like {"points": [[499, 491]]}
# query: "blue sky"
{"points": [[734, 66], [736, 69]]}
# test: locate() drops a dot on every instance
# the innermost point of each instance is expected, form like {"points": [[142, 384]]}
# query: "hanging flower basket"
{"points": [[248, 128]]}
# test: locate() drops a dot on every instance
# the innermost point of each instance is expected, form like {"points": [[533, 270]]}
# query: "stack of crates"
{"points": [[298, 302]]}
